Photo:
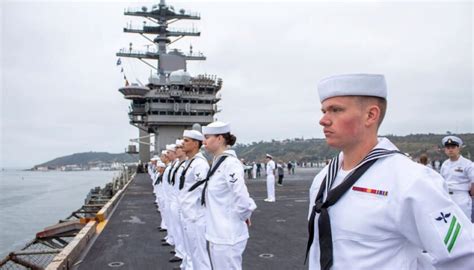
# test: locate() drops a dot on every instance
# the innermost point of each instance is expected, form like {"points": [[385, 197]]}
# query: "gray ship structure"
{"points": [[173, 100]]}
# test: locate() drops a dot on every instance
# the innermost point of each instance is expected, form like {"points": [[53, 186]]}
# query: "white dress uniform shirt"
{"points": [[193, 215], [270, 181], [396, 209], [165, 180], [156, 186], [158, 189], [228, 203], [270, 167], [174, 225], [151, 170], [165, 214], [459, 176], [190, 202]]}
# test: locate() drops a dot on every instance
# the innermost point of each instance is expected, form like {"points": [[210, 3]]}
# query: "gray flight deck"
{"points": [[278, 233]]}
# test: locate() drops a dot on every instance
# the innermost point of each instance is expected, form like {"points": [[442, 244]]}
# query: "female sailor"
{"points": [[228, 203]]}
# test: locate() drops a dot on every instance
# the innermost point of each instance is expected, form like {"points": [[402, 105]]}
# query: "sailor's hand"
{"points": [[248, 222]]}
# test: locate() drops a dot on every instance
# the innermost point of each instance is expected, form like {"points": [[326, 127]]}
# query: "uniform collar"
{"points": [[386, 144], [198, 155], [229, 152], [383, 143], [459, 159], [171, 164]]}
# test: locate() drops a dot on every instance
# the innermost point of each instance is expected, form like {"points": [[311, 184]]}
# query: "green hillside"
{"points": [[312, 150], [88, 158], [301, 150]]}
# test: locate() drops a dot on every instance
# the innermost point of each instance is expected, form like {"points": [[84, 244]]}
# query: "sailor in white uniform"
{"points": [[165, 214], [158, 175], [372, 207], [152, 167], [152, 170], [228, 203], [271, 166], [458, 172], [254, 170], [174, 209], [157, 171], [159, 188], [192, 211]]}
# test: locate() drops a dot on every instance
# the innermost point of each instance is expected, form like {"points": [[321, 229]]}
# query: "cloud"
{"points": [[59, 79]]}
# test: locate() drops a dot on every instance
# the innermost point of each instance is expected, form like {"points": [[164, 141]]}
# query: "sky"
{"points": [[59, 79]]}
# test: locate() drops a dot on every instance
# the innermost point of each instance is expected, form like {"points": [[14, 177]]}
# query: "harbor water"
{"points": [[33, 200]]}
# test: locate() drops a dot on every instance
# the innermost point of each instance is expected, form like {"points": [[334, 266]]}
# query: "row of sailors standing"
{"points": [[204, 209]]}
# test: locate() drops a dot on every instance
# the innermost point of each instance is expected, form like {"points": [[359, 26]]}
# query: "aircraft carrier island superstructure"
{"points": [[173, 100]]}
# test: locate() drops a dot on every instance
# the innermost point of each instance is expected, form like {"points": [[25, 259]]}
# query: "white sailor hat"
{"points": [[163, 152], [154, 158], [160, 164], [269, 156], [193, 134], [452, 140], [353, 85], [171, 147], [179, 143], [215, 128]]}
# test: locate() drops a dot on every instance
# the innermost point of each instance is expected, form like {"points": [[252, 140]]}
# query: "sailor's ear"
{"points": [[372, 115]]}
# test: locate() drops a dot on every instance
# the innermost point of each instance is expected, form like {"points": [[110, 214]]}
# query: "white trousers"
{"points": [[187, 263], [166, 215], [195, 243], [271, 187], [161, 207], [157, 191], [175, 227], [464, 201], [228, 257]]}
